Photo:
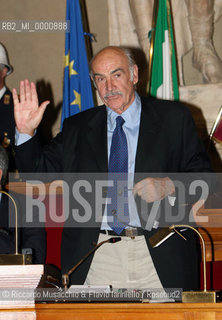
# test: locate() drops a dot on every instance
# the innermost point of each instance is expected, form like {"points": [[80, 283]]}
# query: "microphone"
{"points": [[114, 240], [65, 276]]}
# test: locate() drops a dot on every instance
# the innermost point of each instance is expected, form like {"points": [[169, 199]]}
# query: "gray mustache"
{"points": [[113, 93]]}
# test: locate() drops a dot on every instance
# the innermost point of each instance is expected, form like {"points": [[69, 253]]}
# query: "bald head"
{"points": [[122, 51]]}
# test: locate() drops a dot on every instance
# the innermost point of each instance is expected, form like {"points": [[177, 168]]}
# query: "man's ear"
{"points": [[93, 81], [135, 74]]}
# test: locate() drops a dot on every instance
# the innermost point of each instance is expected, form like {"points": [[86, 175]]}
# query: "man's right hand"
{"points": [[27, 112]]}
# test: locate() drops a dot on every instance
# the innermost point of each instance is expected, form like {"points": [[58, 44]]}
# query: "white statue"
{"points": [[130, 21], [201, 21]]}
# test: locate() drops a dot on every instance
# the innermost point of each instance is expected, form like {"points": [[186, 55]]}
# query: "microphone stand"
{"points": [[65, 276], [16, 219], [15, 258], [204, 295]]}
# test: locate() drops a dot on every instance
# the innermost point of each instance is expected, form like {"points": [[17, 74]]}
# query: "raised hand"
{"points": [[27, 112]]}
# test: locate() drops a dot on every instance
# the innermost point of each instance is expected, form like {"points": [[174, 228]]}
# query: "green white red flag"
{"points": [[164, 79]]}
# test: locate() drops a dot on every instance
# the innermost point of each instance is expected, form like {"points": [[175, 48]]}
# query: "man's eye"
{"points": [[99, 79], [117, 75]]}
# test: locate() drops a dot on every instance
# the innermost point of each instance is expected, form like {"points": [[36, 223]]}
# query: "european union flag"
{"points": [[77, 91]]}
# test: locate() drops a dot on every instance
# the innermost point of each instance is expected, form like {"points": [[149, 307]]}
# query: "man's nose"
{"points": [[109, 84]]}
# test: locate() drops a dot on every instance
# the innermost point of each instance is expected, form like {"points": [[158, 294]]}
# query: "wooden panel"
{"points": [[210, 226], [213, 242], [120, 311], [132, 311], [200, 315]]}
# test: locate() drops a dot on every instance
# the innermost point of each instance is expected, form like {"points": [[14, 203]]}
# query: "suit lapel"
{"points": [[97, 138], [149, 127]]}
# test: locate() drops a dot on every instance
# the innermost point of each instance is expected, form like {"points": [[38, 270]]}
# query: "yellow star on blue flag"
{"points": [[77, 90], [77, 100]]}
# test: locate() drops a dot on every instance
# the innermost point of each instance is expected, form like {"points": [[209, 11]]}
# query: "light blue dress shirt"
{"points": [[131, 129]]}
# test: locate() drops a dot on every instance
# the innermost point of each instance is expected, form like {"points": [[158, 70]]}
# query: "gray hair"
{"points": [[131, 60], [3, 164], [127, 52]]}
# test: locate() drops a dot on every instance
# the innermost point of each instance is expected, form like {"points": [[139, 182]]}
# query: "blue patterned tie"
{"points": [[118, 173]]}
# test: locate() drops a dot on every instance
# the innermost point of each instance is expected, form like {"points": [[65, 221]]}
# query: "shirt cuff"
{"points": [[172, 200], [21, 138]]}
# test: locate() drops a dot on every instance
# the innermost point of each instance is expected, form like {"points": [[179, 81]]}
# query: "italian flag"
{"points": [[164, 81]]}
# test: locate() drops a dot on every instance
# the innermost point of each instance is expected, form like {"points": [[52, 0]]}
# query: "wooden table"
{"points": [[116, 311]]}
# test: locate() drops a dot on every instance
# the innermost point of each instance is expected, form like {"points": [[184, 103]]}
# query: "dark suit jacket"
{"points": [[7, 124], [167, 142]]}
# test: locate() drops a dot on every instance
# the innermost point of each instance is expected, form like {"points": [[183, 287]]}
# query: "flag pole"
{"points": [[88, 40], [213, 129], [172, 43], [154, 19], [215, 123], [85, 23]]}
